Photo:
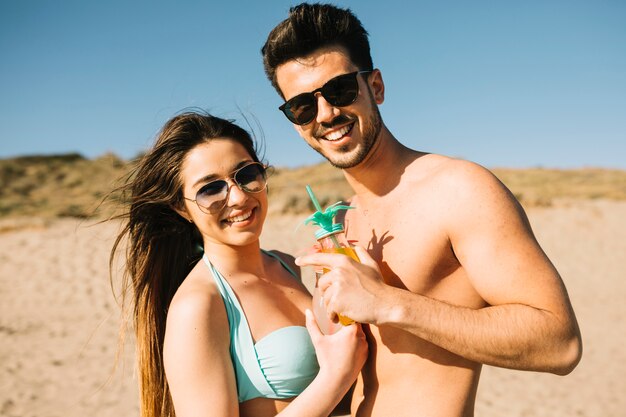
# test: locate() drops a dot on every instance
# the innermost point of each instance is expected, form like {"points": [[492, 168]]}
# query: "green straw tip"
{"points": [[313, 198]]}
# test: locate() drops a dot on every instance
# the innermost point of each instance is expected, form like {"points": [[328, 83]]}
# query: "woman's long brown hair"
{"points": [[161, 247]]}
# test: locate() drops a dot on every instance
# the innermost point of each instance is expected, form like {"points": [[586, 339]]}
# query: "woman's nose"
{"points": [[235, 194]]}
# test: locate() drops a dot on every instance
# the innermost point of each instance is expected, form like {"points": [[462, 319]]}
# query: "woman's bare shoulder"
{"points": [[196, 354], [197, 304]]}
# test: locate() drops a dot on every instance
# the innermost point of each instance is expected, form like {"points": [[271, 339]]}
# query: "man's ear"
{"points": [[378, 86]]}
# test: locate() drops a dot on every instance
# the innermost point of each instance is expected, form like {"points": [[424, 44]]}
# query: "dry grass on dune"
{"points": [[287, 188], [532, 186], [544, 187], [70, 185], [57, 186]]}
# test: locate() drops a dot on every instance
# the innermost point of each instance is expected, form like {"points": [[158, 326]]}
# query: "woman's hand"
{"points": [[340, 355]]}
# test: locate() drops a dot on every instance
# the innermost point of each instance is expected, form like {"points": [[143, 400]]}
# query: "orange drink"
{"points": [[348, 251]]}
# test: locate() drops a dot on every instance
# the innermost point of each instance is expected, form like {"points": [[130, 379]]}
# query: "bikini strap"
{"points": [[282, 262]]}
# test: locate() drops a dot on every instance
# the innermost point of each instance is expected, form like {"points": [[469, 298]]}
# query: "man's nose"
{"points": [[326, 112]]}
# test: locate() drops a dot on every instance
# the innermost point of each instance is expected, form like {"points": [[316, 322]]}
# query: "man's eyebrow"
{"points": [[211, 177]]}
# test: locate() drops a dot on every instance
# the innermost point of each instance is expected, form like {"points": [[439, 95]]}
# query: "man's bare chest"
{"points": [[412, 251]]}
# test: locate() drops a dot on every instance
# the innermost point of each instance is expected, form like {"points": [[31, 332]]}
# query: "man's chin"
{"points": [[342, 158], [349, 161]]}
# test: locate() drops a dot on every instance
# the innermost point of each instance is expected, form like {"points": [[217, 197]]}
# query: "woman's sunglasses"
{"points": [[212, 197], [339, 91]]}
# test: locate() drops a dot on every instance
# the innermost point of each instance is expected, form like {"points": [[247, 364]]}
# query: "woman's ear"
{"points": [[182, 212]]}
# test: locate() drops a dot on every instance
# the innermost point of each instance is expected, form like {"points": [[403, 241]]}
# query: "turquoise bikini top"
{"points": [[280, 365]]}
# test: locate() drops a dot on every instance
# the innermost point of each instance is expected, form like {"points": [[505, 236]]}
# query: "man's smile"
{"points": [[335, 135]]}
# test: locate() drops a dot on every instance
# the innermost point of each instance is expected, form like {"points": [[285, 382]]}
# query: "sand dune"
{"points": [[59, 321]]}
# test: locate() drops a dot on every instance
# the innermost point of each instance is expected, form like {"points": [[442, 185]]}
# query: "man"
{"points": [[451, 276]]}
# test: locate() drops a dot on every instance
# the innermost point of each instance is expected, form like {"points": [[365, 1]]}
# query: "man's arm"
{"points": [[528, 322]]}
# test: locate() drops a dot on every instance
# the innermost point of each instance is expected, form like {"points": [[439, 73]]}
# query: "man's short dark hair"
{"points": [[313, 26]]}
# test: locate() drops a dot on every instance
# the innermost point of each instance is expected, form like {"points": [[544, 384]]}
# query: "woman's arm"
{"points": [[196, 357]]}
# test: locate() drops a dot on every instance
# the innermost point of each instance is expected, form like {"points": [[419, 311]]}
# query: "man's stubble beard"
{"points": [[371, 130]]}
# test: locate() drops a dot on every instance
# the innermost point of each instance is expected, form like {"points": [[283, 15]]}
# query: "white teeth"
{"points": [[338, 134], [239, 218]]}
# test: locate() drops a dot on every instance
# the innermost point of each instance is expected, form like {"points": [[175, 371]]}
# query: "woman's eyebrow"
{"points": [[210, 177], [206, 178]]}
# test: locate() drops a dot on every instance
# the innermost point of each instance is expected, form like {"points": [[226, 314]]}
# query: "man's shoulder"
{"points": [[452, 182], [469, 187], [445, 170]]}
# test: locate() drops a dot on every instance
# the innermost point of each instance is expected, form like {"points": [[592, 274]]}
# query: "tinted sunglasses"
{"points": [[340, 91], [212, 197]]}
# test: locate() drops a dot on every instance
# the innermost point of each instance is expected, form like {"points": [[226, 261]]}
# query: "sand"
{"points": [[59, 320]]}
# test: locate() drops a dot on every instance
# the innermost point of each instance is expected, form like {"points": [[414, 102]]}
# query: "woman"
{"points": [[220, 330]]}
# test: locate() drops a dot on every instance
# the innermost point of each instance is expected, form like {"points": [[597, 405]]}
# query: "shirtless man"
{"points": [[452, 276]]}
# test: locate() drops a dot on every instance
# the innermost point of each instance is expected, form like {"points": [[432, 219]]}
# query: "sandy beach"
{"points": [[59, 321]]}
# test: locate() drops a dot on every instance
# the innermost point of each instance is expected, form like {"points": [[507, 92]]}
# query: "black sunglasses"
{"points": [[212, 197], [339, 91]]}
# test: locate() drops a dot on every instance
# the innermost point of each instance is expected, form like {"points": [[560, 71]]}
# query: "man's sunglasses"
{"points": [[339, 91], [212, 197]]}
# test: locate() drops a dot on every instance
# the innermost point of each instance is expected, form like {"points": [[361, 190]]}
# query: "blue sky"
{"points": [[503, 83]]}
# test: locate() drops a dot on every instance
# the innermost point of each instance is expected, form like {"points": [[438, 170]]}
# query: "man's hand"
{"points": [[352, 289]]}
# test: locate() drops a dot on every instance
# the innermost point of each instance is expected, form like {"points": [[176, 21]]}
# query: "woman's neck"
{"points": [[230, 259]]}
